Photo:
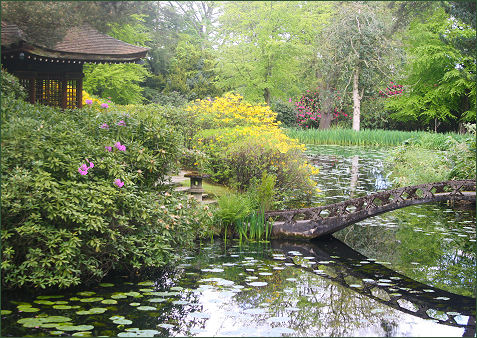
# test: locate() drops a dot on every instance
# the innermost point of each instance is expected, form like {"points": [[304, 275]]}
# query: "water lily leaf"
{"points": [[56, 319], [82, 334], [176, 288], [28, 309], [145, 290], [73, 299], [75, 327], [118, 296], [106, 285], [62, 307], [5, 312], [180, 302], [146, 283], [122, 321], [165, 326], [91, 299], [44, 302], [156, 300], [61, 302], [116, 317], [56, 333], [86, 293], [257, 283], [97, 310], [146, 308], [134, 304], [109, 301]]}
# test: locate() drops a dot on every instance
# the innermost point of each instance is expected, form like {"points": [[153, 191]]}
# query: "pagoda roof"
{"points": [[82, 43]]}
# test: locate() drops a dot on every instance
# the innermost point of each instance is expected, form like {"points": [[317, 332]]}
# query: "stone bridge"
{"points": [[315, 222], [334, 260]]}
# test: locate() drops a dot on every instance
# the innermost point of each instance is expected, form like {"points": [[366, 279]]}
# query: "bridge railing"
{"points": [[393, 199]]}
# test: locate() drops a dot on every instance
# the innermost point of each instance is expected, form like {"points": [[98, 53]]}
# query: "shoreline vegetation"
{"points": [[84, 193]]}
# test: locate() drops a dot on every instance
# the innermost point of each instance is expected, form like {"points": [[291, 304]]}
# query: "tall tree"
{"points": [[439, 76], [355, 52], [260, 54]]}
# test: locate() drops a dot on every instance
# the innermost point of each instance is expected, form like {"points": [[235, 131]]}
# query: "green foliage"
{"points": [[286, 112], [462, 156], [11, 86], [118, 81], [411, 166], [373, 137], [262, 192], [261, 54], [439, 78], [233, 207], [61, 228]]}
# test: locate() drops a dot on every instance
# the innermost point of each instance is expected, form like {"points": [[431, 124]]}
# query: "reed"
{"points": [[254, 227], [372, 137]]}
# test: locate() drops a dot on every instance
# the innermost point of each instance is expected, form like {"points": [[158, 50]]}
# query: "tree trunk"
{"points": [[356, 101], [326, 110], [325, 120], [266, 95]]}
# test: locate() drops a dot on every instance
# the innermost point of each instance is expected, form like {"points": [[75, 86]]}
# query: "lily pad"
{"points": [[156, 300], [145, 290], [82, 334], [49, 297], [106, 285], [44, 302], [122, 321], [134, 304], [28, 309], [180, 302], [86, 293], [62, 307], [136, 294], [56, 333], [165, 326], [176, 288], [146, 308], [146, 283], [75, 327], [109, 301], [5, 312], [257, 283], [91, 299], [119, 296]]}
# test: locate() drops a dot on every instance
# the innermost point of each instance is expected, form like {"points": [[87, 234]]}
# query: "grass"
{"points": [[376, 137]]}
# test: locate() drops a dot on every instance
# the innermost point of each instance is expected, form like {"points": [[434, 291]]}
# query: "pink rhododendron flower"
{"points": [[108, 148], [89, 101], [120, 146], [289, 100], [121, 123], [104, 126], [104, 105], [118, 183]]}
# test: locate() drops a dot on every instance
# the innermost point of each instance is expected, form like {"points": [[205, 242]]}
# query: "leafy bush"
{"points": [[462, 156], [286, 112], [73, 209], [11, 86]]}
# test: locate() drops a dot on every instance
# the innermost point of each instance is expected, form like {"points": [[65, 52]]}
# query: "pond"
{"points": [[409, 272]]}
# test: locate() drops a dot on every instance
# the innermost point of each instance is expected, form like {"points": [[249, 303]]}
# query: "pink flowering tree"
{"points": [[316, 111]]}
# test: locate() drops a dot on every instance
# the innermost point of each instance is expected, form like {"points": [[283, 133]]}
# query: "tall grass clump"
{"points": [[372, 137]]}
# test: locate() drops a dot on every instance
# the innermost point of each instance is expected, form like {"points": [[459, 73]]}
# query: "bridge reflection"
{"points": [[334, 260]]}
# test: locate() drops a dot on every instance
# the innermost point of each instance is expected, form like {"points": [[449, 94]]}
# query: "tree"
{"points": [[355, 50], [46, 22], [439, 77], [260, 55]]}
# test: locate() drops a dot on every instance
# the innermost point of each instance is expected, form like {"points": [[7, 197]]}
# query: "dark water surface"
{"points": [[410, 272]]}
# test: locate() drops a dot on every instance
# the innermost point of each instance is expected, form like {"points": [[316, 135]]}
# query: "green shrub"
{"points": [[11, 86], [286, 112], [462, 156], [61, 228]]}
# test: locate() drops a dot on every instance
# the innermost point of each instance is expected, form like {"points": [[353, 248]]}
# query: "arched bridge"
{"points": [[315, 222]]}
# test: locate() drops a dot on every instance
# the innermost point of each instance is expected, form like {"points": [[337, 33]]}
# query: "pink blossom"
{"points": [[120, 146], [118, 183], [108, 148], [121, 123], [89, 101], [104, 105], [104, 126], [290, 100]]}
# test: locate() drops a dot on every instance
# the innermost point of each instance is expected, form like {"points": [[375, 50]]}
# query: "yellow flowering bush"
{"points": [[243, 141]]}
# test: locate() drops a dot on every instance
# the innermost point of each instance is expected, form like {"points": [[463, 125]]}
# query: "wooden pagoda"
{"points": [[54, 76]]}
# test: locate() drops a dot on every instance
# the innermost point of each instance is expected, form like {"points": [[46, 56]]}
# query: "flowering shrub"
{"points": [[391, 90], [73, 210], [309, 110], [244, 141]]}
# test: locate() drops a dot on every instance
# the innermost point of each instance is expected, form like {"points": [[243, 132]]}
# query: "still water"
{"points": [[410, 272]]}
